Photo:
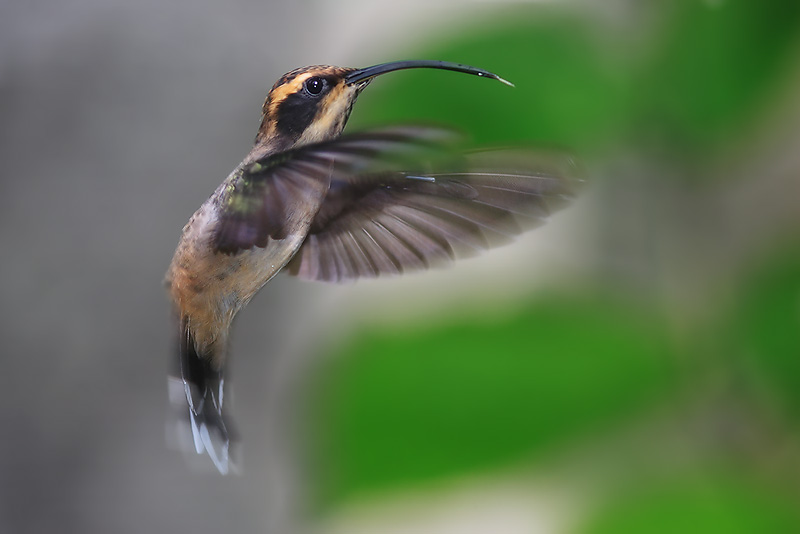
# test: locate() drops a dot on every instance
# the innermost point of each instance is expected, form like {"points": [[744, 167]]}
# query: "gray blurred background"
{"points": [[118, 119]]}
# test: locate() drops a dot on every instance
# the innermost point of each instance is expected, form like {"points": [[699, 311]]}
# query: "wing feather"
{"points": [[392, 221], [279, 194]]}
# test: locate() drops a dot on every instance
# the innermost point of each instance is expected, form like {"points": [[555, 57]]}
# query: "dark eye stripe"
{"points": [[296, 111]]}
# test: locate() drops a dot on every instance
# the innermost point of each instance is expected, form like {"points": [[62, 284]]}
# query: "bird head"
{"points": [[312, 104]]}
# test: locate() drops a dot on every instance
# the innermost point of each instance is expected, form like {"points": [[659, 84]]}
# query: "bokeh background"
{"points": [[634, 366]]}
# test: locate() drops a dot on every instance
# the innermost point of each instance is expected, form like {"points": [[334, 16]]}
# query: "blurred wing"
{"points": [[389, 223], [271, 197]]}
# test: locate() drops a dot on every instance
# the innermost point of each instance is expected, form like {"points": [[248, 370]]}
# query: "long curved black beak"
{"points": [[361, 75]]}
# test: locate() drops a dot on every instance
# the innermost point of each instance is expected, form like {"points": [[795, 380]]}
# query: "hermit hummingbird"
{"points": [[331, 207]]}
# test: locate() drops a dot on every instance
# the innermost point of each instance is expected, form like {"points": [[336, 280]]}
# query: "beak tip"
{"points": [[493, 76], [503, 80]]}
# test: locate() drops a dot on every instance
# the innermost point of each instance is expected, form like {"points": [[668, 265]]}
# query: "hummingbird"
{"points": [[333, 207]]}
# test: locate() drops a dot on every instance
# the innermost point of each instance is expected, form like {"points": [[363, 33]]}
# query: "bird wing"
{"points": [[392, 222], [274, 195]]}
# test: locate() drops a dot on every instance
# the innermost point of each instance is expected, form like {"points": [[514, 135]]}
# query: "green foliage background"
{"points": [[683, 85]]}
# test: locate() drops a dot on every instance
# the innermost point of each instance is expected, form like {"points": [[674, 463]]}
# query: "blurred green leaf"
{"points": [[695, 84], [709, 505], [713, 68], [768, 324], [398, 407], [567, 93]]}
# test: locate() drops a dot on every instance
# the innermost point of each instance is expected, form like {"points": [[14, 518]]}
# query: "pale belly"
{"points": [[209, 288]]}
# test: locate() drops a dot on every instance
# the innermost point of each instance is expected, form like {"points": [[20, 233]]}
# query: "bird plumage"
{"points": [[334, 207]]}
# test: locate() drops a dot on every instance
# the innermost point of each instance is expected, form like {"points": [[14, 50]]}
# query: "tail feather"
{"points": [[197, 389]]}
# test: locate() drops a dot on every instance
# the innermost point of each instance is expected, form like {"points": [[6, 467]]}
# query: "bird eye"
{"points": [[315, 85]]}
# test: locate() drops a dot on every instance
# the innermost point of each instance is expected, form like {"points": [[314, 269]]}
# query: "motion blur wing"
{"points": [[277, 193], [392, 222]]}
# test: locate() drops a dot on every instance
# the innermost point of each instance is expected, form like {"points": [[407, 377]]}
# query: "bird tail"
{"points": [[196, 388]]}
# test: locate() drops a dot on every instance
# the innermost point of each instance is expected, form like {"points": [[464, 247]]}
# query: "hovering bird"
{"points": [[332, 207]]}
